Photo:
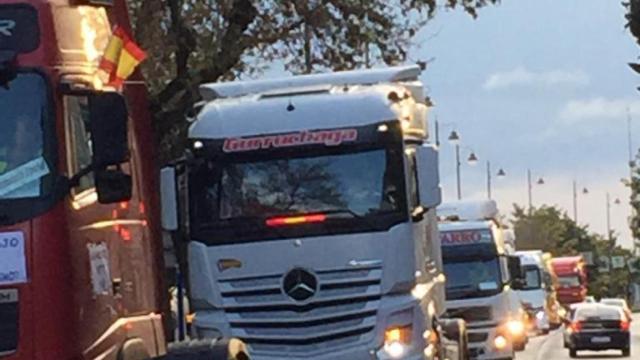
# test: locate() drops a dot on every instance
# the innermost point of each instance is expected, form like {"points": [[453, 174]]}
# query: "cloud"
{"points": [[599, 108], [523, 78]]}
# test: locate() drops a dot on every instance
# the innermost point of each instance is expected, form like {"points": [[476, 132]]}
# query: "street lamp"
{"points": [[454, 138], [473, 159], [501, 174], [585, 191], [530, 187]]}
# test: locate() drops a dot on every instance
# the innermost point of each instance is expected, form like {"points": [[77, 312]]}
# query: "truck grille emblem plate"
{"points": [[300, 284]]}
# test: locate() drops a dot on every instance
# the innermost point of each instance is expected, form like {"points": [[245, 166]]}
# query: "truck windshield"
{"points": [[531, 278], [569, 281], [472, 278], [23, 159], [352, 192]]}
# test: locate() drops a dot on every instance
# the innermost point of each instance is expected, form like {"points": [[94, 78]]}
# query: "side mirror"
{"points": [[112, 186], [428, 176], [108, 126], [169, 199], [515, 272]]}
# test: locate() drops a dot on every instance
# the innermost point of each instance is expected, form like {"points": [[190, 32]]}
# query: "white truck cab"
{"points": [[481, 274], [533, 293], [308, 204]]}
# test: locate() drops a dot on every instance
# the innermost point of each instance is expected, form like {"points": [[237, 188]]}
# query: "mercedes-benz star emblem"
{"points": [[300, 284]]}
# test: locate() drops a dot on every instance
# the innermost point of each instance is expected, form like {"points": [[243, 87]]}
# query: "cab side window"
{"points": [[414, 197], [79, 153]]}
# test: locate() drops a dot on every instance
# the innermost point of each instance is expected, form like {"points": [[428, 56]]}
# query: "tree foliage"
{"points": [[196, 41], [551, 230], [634, 201]]}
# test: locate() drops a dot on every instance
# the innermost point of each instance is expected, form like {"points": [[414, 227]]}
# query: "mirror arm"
{"points": [[75, 179]]}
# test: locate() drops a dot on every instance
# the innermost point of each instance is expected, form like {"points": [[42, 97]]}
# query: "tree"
{"points": [[196, 41], [549, 229], [634, 201]]}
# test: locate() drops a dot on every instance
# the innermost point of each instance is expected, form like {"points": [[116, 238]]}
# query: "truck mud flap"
{"points": [[209, 349]]}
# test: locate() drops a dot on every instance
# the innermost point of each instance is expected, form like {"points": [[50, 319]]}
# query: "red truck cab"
{"points": [[572, 279], [80, 260]]}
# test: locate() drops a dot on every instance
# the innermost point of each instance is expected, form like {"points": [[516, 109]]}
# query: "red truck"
{"points": [[572, 279]]}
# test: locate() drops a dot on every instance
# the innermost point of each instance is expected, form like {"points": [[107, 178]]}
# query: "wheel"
{"points": [[134, 349], [626, 352], [573, 353]]}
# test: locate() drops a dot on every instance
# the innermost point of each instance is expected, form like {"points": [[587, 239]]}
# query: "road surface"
{"points": [[550, 347]]}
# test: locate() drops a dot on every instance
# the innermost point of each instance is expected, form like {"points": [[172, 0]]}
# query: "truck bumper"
{"points": [[484, 349], [395, 311]]}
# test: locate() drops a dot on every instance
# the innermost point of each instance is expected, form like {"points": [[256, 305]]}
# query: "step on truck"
{"points": [[308, 204], [482, 273]]}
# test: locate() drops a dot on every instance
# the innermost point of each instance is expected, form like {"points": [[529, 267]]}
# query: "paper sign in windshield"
{"points": [[23, 175], [465, 237], [100, 271], [13, 265]]}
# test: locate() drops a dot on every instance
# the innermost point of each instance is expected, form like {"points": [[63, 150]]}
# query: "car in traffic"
{"points": [[617, 302], [597, 327]]}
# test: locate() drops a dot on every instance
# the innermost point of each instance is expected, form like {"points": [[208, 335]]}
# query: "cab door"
{"points": [[94, 246]]}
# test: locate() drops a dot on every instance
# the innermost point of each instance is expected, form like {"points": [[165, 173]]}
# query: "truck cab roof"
{"points": [[465, 225], [312, 102]]}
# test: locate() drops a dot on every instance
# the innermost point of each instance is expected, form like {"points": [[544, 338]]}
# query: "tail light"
{"points": [[576, 326], [624, 325]]}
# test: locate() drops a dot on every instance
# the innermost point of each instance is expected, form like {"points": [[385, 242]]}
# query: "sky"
{"points": [[540, 85]]}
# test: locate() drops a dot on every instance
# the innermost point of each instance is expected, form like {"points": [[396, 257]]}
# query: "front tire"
{"points": [[626, 352], [573, 353]]}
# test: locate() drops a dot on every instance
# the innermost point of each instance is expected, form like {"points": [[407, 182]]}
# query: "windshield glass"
{"points": [[531, 278], [597, 313], [359, 191], [613, 302], [569, 281], [22, 157], [472, 278]]}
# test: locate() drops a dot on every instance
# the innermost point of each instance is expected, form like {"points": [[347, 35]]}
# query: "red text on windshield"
{"points": [[323, 137]]}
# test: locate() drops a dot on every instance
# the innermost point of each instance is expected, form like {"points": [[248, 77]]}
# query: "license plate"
{"points": [[600, 339]]}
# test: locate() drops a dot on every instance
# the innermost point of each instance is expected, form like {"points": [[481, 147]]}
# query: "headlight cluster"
{"points": [[500, 342], [515, 327], [397, 341]]}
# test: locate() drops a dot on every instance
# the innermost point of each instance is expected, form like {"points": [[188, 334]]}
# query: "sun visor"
{"points": [[19, 28]]}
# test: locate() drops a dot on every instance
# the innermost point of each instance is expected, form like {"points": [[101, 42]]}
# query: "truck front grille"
{"points": [[471, 314], [8, 321], [341, 314], [477, 337]]}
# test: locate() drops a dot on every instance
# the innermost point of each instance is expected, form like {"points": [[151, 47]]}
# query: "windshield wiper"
{"points": [[350, 212]]}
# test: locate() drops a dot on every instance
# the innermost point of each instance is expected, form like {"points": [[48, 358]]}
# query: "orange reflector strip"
{"points": [[295, 220]]}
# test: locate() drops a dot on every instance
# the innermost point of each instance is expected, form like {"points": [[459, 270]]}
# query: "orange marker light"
{"points": [[295, 220]]}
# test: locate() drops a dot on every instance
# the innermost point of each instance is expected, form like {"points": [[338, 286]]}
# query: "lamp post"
{"points": [[501, 174], [610, 239], [530, 188], [575, 200]]}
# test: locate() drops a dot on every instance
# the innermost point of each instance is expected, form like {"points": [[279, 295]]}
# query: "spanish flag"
{"points": [[120, 58]]}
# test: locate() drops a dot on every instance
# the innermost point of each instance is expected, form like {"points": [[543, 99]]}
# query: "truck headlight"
{"points": [[515, 327], [397, 340], [500, 342]]}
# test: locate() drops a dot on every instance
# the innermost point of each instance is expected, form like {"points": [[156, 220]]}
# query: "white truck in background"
{"points": [[309, 208], [482, 273], [533, 294]]}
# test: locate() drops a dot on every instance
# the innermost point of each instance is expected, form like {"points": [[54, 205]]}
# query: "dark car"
{"points": [[597, 327]]}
